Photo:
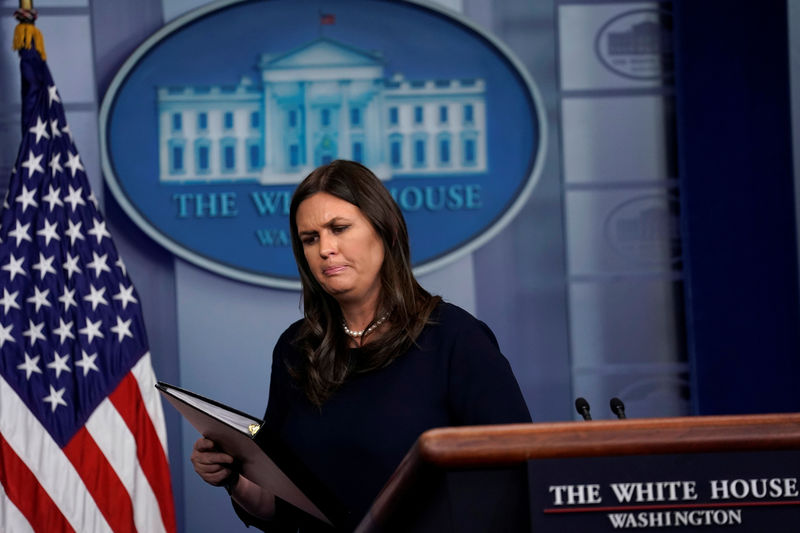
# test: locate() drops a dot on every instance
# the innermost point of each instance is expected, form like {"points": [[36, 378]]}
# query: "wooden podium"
{"points": [[477, 478]]}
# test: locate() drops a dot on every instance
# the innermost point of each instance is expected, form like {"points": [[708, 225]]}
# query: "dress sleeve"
{"points": [[286, 518], [279, 383], [481, 386]]}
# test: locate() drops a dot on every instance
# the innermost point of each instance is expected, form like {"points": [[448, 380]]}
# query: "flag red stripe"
{"points": [[101, 481], [127, 399], [24, 491]]}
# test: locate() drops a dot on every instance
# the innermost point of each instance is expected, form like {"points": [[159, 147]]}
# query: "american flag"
{"points": [[82, 434]]}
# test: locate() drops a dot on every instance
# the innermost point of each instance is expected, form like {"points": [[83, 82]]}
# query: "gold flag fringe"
{"points": [[26, 34]]}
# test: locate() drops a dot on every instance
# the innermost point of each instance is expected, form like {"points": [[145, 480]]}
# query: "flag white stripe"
{"points": [[11, 519], [145, 377], [37, 449], [109, 431]]}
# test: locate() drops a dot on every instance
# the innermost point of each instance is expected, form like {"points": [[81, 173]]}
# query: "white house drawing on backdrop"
{"points": [[322, 101]]}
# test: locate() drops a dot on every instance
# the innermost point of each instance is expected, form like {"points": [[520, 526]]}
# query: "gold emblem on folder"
{"points": [[253, 428]]}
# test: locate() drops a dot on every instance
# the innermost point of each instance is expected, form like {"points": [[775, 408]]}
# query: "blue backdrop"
{"points": [[588, 289]]}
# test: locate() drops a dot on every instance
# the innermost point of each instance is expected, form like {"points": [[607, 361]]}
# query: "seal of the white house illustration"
{"points": [[203, 142], [637, 44]]}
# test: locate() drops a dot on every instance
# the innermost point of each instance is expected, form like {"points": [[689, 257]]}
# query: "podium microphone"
{"points": [[618, 408], [582, 406]]}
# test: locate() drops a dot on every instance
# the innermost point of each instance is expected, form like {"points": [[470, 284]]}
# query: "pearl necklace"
{"points": [[357, 334]]}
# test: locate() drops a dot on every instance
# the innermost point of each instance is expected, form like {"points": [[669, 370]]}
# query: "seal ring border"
{"points": [[281, 283]]}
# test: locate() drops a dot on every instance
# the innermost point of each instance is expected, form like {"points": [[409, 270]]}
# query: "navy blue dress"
{"points": [[455, 375]]}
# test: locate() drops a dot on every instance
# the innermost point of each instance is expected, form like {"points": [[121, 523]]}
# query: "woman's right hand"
{"points": [[213, 466], [217, 468]]}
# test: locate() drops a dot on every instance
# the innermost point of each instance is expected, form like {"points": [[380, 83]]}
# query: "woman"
{"points": [[376, 360]]}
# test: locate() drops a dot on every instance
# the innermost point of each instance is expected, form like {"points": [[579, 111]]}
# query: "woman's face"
{"points": [[343, 250]]}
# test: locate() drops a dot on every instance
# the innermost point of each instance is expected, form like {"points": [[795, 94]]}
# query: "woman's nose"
{"points": [[327, 244]]}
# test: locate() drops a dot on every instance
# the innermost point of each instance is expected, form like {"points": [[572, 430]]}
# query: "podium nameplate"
{"points": [[741, 492]]}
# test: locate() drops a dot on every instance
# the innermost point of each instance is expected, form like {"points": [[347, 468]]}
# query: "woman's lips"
{"points": [[332, 270]]}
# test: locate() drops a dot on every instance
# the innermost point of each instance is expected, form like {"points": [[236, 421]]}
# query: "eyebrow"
{"points": [[332, 222]]}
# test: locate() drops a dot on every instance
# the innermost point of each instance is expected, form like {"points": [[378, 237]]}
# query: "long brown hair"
{"points": [[327, 360]]}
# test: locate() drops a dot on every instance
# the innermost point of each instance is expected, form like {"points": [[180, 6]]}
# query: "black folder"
{"points": [[259, 454]]}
